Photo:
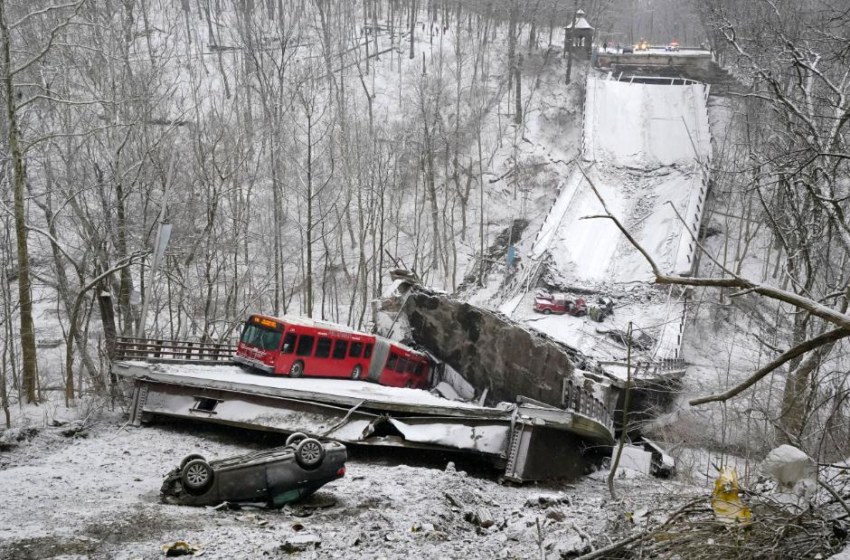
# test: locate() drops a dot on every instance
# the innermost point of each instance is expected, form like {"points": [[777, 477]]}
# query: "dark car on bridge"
{"points": [[271, 477]]}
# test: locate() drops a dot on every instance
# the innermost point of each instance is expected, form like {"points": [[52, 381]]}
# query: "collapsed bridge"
{"points": [[530, 440]]}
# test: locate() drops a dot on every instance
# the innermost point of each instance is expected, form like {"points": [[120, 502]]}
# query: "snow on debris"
{"points": [[337, 387]]}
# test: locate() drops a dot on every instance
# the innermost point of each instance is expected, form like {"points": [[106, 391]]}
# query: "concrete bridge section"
{"points": [[530, 440], [692, 64]]}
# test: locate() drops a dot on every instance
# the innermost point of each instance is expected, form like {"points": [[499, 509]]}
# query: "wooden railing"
{"points": [[158, 350]]}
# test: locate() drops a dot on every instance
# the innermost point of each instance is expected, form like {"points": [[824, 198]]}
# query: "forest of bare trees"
{"points": [[294, 172]]}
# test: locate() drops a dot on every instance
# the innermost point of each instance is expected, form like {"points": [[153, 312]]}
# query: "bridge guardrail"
{"points": [[582, 401], [160, 350]]}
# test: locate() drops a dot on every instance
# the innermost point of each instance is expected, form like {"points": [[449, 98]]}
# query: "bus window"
{"points": [[367, 353], [323, 347], [289, 343], [305, 345], [355, 350], [402, 363], [340, 347], [411, 366], [392, 360], [419, 368], [264, 339]]}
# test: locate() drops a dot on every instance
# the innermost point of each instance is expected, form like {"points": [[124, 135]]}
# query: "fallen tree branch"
{"points": [[816, 342], [817, 309], [605, 551]]}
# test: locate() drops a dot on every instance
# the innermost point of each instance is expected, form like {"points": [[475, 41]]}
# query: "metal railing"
{"points": [[582, 401], [159, 350]]}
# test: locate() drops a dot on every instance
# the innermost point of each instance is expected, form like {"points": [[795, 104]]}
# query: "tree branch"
{"points": [[811, 344]]}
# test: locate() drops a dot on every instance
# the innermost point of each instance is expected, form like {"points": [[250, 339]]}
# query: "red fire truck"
{"points": [[298, 347], [559, 305]]}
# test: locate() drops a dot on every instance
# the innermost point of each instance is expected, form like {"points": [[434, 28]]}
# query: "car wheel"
{"points": [[188, 458], [196, 476], [297, 369], [295, 438], [357, 372], [546, 311], [309, 453]]}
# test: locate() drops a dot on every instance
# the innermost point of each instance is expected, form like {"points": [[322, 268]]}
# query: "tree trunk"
{"points": [[412, 27], [518, 97], [309, 229], [19, 180]]}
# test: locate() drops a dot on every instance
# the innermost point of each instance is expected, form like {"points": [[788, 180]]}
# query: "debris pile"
{"points": [[734, 522]]}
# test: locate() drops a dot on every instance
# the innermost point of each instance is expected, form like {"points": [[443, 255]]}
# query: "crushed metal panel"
{"points": [[663, 465], [140, 396], [483, 438], [538, 452], [518, 451]]}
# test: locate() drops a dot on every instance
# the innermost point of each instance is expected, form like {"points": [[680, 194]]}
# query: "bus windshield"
{"points": [[259, 337]]}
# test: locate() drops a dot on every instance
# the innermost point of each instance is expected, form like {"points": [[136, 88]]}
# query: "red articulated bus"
{"points": [[304, 347]]}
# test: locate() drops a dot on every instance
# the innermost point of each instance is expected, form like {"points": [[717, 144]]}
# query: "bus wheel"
{"points": [[357, 372], [409, 385], [297, 369]]}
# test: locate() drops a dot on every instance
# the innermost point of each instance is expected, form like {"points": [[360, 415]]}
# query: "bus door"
{"points": [[287, 353], [379, 358]]}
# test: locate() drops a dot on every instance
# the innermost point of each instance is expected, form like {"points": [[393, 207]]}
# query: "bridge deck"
{"points": [[520, 437]]}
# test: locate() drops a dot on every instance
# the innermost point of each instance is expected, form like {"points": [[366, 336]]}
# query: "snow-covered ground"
{"points": [[97, 497]]}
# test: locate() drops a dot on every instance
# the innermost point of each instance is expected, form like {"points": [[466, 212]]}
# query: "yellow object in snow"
{"points": [[726, 502]]}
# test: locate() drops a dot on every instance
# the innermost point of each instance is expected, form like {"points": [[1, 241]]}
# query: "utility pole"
{"points": [[163, 234]]}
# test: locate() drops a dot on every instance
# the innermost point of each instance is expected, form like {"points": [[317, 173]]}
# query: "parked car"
{"points": [[271, 477], [604, 307], [628, 50], [641, 46], [559, 305]]}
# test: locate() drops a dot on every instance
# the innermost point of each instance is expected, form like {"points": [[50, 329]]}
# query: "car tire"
{"points": [[547, 311], [196, 476], [297, 369], [357, 372], [294, 438], [188, 458], [309, 453]]}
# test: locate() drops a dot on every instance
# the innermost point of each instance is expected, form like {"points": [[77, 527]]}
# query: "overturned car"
{"points": [[271, 477]]}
